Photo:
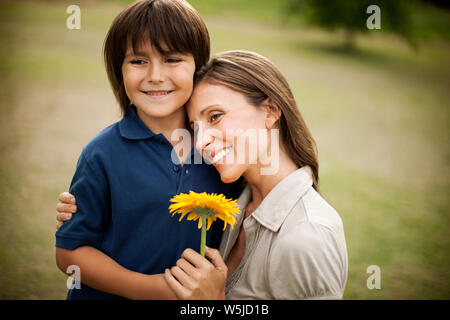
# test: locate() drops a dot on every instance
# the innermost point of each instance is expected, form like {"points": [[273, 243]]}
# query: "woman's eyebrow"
{"points": [[191, 123], [204, 109]]}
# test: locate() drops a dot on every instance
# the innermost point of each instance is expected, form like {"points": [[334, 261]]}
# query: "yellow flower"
{"points": [[204, 206]]}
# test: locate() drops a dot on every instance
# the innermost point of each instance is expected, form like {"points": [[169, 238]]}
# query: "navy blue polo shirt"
{"points": [[123, 182]]}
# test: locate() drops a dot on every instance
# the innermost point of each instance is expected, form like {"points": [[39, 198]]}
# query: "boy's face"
{"points": [[156, 84]]}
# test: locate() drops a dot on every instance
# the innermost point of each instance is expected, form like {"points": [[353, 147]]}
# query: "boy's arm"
{"points": [[103, 273], [77, 241]]}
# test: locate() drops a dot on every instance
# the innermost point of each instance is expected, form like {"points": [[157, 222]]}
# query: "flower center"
{"points": [[204, 212]]}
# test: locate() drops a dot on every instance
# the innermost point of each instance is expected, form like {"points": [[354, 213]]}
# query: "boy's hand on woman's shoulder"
{"points": [[65, 208]]}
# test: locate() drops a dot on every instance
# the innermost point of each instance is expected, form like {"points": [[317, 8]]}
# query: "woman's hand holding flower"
{"points": [[196, 278]]}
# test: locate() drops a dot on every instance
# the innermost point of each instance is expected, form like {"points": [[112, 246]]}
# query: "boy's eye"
{"points": [[173, 60], [137, 61]]}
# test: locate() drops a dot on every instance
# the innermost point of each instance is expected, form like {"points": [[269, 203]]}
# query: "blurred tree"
{"points": [[351, 16], [439, 3]]}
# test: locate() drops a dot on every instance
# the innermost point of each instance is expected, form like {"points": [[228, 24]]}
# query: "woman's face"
{"points": [[230, 132]]}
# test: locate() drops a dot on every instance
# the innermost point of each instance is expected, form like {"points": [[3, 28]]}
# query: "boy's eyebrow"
{"points": [[132, 53], [135, 53]]}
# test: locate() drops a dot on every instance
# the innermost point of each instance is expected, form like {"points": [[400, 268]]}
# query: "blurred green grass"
{"points": [[380, 116]]}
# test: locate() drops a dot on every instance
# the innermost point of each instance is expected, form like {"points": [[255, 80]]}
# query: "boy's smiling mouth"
{"points": [[157, 94]]}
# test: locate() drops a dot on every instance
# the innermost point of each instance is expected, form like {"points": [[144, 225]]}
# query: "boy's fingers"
{"points": [[63, 216], [67, 197], [173, 284], [216, 258], [58, 224], [64, 207]]}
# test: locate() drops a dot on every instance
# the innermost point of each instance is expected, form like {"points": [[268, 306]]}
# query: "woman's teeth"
{"points": [[220, 155]]}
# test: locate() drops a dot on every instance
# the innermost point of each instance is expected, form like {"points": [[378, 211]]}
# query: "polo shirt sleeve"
{"points": [[307, 264], [90, 188]]}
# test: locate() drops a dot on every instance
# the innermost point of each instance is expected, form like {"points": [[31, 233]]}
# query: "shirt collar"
{"points": [[131, 127], [275, 207]]}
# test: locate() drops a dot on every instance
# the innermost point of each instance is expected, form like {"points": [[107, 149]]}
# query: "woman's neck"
{"points": [[261, 184]]}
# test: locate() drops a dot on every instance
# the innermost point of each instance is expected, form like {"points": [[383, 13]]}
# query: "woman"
{"points": [[288, 242]]}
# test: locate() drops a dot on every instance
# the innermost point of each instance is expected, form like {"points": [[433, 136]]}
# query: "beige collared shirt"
{"points": [[295, 245]]}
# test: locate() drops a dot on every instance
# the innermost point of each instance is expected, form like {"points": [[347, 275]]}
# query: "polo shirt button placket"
{"points": [[176, 168]]}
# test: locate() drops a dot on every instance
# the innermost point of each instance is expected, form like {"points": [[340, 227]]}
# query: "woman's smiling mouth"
{"points": [[222, 153]]}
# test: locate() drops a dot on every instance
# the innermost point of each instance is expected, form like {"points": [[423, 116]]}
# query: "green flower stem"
{"points": [[204, 214], [203, 240]]}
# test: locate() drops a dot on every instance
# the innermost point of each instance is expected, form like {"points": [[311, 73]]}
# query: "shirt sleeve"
{"points": [[90, 188], [308, 264]]}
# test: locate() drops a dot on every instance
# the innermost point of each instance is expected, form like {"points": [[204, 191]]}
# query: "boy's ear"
{"points": [[273, 113]]}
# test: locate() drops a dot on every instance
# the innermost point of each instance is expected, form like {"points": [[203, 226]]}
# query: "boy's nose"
{"points": [[155, 73]]}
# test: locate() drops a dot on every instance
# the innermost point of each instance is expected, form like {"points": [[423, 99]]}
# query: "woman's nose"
{"points": [[203, 137]]}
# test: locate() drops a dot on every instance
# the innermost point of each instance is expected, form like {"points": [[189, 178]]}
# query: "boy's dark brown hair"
{"points": [[170, 26]]}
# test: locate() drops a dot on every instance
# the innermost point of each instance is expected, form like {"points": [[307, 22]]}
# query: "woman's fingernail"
{"points": [[68, 216]]}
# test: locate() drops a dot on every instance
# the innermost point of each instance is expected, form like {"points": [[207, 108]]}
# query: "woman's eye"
{"points": [[214, 117]]}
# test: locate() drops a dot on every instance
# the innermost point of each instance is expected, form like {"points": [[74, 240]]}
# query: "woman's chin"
{"points": [[227, 176]]}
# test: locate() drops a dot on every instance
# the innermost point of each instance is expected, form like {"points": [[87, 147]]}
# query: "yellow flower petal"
{"points": [[205, 207]]}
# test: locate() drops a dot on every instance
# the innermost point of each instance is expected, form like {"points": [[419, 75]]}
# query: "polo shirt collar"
{"points": [[131, 127], [275, 207]]}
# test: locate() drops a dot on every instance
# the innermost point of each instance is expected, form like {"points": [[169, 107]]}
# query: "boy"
{"points": [[122, 237]]}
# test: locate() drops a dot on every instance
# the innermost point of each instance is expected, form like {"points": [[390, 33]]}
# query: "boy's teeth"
{"points": [[157, 93], [220, 155]]}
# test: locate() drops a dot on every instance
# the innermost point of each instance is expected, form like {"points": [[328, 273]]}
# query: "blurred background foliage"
{"points": [[378, 109], [346, 15]]}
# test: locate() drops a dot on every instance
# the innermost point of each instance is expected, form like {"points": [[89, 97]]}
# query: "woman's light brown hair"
{"points": [[257, 79], [171, 26]]}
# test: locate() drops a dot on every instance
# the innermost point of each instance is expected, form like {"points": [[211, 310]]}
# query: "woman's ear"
{"points": [[273, 113]]}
